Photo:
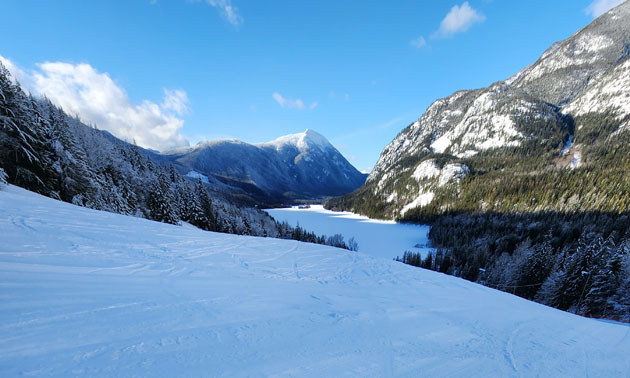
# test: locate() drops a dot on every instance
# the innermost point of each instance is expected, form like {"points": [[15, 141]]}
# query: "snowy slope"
{"points": [[87, 293]]}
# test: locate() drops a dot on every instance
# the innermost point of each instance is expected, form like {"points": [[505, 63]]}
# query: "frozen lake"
{"points": [[376, 238]]}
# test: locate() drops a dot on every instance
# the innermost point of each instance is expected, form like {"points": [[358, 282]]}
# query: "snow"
{"points": [[383, 181], [393, 196], [483, 126], [567, 146], [428, 169], [305, 140], [612, 92], [376, 238], [575, 162], [467, 154], [441, 144], [88, 293], [196, 175], [586, 49], [453, 172], [423, 199], [589, 43]]}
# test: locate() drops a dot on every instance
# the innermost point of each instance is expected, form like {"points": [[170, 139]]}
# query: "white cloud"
{"points": [[459, 19], [292, 104], [176, 100], [229, 11], [599, 7], [81, 90], [16, 72], [418, 42]]}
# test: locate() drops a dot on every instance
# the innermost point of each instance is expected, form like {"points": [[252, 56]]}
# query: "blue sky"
{"points": [[165, 73]]}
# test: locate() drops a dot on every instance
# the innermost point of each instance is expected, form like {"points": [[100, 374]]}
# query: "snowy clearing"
{"points": [[376, 238], [88, 293]]}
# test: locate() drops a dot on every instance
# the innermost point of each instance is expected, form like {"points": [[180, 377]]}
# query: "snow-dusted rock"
{"points": [[429, 169], [569, 66], [611, 93]]}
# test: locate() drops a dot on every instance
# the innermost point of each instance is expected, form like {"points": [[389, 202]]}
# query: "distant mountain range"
{"points": [[292, 167]]}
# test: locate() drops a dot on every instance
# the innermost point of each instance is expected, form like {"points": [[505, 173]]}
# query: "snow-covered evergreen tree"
{"points": [[3, 178], [19, 142], [606, 272], [160, 201]]}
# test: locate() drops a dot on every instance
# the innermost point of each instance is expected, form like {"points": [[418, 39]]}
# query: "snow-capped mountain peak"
{"points": [[303, 165], [303, 141]]}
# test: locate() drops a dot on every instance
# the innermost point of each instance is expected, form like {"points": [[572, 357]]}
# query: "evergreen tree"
{"points": [[3, 178], [76, 179], [160, 201], [577, 276], [605, 280], [202, 214], [19, 142], [534, 271]]}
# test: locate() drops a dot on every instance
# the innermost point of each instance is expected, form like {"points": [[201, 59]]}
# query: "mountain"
{"points": [[525, 183], [297, 166], [565, 110]]}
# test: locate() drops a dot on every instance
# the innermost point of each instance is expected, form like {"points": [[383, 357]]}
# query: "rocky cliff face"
{"points": [[540, 110], [568, 67]]}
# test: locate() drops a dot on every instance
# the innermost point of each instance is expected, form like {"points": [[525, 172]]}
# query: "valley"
{"points": [[490, 238]]}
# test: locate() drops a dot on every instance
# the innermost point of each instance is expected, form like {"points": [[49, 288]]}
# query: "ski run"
{"points": [[89, 293]]}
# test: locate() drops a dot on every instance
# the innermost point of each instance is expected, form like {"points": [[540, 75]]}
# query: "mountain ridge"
{"points": [[534, 112], [292, 167]]}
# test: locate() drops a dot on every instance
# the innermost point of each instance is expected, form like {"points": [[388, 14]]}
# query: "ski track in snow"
{"points": [[88, 293]]}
